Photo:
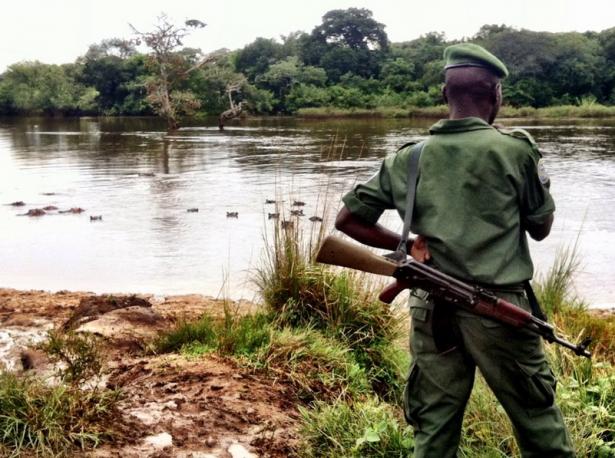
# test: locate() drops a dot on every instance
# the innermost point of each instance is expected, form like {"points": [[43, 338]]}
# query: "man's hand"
{"points": [[419, 250]]}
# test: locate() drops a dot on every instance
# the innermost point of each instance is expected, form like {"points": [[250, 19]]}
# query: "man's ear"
{"points": [[498, 93], [444, 96]]}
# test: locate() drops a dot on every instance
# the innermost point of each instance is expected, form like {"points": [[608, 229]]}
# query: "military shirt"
{"points": [[478, 188]]}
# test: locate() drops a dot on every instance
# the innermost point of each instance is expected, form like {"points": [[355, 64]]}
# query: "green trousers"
{"points": [[511, 360]]}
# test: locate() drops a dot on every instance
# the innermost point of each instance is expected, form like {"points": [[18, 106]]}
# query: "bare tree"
{"points": [[235, 110], [170, 69]]}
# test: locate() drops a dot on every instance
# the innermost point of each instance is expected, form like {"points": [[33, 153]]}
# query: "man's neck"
{"points": [[465, 113], [467, 108]]}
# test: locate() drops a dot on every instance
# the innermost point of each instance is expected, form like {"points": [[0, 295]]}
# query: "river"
{"points": [[142, 182]]}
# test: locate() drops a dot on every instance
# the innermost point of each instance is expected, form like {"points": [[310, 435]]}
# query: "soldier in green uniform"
{"points": [[480, 191]]}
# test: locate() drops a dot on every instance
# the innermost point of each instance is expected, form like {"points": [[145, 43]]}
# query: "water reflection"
{"points": [[143, 180]]}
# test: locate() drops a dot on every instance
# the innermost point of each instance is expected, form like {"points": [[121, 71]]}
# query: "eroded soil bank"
{"points": [[172, 406]]}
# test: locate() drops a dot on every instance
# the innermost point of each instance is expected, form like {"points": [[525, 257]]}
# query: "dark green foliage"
{"points": [[254, 59], [346, 63], [114, 78], [37, 88], [347, 41]]}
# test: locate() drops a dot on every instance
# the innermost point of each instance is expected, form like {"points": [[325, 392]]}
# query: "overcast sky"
{"points": [[58, 31]]}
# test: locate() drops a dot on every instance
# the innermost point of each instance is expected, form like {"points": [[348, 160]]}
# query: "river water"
{"points": [[142, 182]]}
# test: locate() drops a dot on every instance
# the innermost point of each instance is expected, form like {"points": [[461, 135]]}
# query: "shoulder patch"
{"points": [[543, 176]]}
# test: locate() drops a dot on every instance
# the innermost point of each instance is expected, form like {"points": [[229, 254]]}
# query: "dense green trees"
{"points": [[33, 87], [115, 70], [346, 62]]}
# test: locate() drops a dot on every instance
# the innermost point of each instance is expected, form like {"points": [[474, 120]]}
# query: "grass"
{"points": [[228, 336], [40, 418], [367, 428], [51, 421], [320, 368], [317, 366], [441, 111], [342, 304]]}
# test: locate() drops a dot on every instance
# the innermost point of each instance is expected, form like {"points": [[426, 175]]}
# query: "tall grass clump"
{"points": [[555, 289], [568, 312], [46, 418], [340, 303]]}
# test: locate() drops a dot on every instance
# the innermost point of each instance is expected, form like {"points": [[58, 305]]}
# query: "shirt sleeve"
{"points": [[369, 200], [537, 204]]}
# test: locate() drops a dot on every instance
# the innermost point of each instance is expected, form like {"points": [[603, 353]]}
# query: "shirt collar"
{"points": [[450, 126]]}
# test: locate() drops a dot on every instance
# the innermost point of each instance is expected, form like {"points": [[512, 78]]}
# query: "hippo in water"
{"points": [[73, 210], [34, 212]]}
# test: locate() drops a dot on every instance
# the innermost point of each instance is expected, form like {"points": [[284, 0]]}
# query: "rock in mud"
{"points": [[92, 307]]}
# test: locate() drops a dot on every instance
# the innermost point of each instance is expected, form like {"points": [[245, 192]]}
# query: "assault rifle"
{"points": [[413, 274]]}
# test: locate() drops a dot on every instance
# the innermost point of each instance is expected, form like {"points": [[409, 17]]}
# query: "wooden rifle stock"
{"points": [[413, 274]]}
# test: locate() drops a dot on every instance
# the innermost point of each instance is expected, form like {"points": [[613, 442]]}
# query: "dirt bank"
{"points": [[171, 406]]}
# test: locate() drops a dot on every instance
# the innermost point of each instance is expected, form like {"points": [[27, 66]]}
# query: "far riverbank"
{"points": [[588, 111]]}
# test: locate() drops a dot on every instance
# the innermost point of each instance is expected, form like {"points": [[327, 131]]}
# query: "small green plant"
{"points": [[369, 428], [77, 356], [372, 433]]}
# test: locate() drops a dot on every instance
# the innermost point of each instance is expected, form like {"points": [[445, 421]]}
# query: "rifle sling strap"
{"points": [[413, 173], [533, 300]]}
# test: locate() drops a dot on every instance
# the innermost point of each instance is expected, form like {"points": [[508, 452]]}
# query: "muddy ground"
{"points": [[172, 406]]}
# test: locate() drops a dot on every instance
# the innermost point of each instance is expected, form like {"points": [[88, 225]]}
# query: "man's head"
{"points": [[472, 81]]}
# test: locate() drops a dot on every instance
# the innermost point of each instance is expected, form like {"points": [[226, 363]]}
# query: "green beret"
{"points": [[470, 55]]}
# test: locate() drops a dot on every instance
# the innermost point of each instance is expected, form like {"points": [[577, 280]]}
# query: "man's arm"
{"points": [[378, 236], [374, 235], [541, 231]]}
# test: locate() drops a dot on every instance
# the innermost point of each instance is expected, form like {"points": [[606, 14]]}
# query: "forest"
{"points": [[346, 62]]}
